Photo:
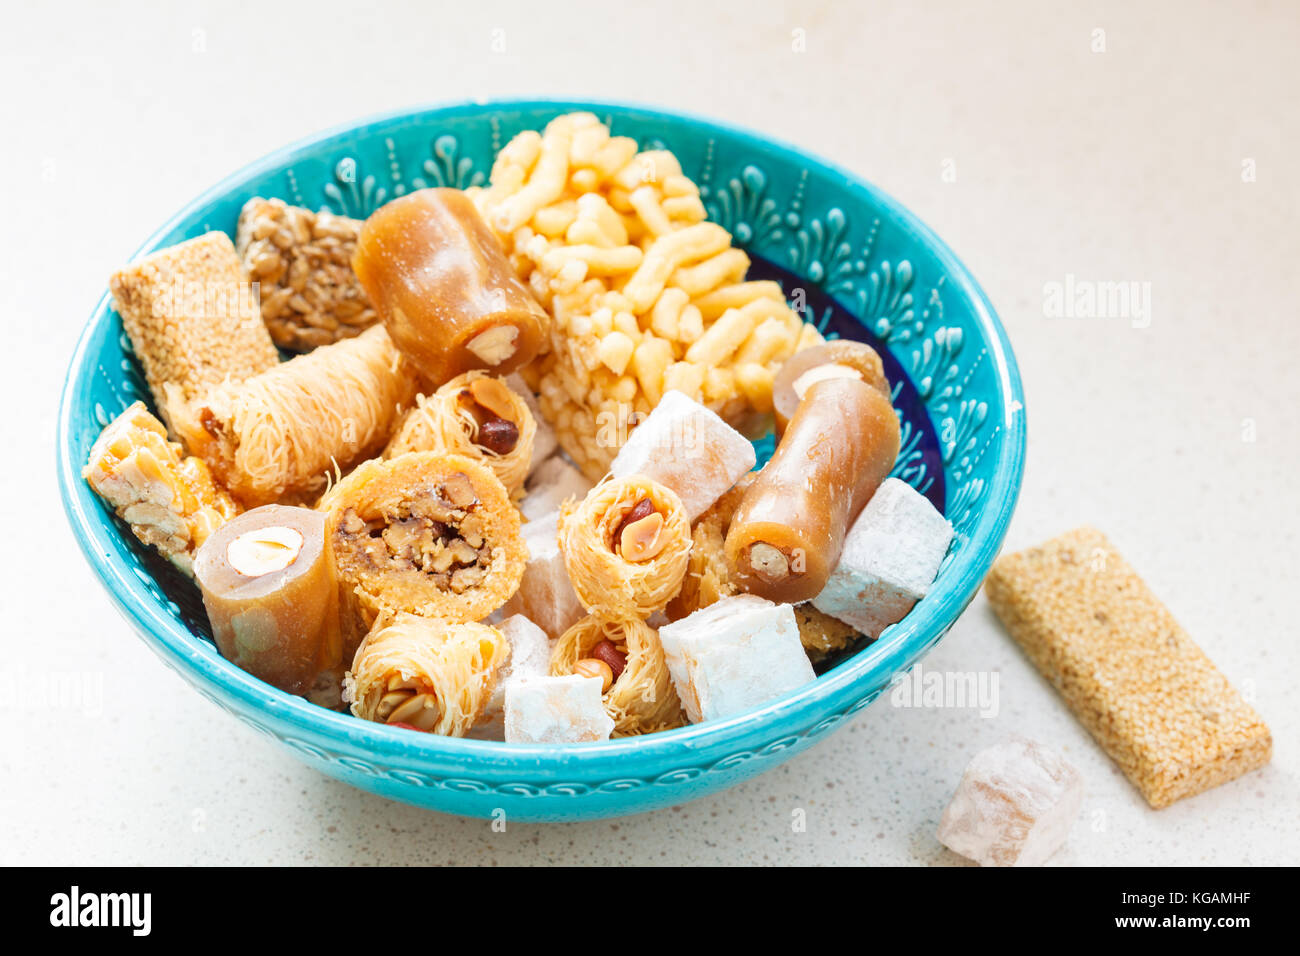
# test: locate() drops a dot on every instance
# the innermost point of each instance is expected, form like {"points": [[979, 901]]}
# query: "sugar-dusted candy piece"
{"points": [[555, 710], [550, 485], [530, 656], [546, 595], [1126, 668], [689, 449], [544, 441], [734, 655], [1014, 806], [889, 560]]}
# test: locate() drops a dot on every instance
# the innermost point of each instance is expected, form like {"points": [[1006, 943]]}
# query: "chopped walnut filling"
{"points": [[440, 535]]}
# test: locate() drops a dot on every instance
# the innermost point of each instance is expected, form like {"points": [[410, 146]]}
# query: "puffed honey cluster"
{"points": [[646, 296]]}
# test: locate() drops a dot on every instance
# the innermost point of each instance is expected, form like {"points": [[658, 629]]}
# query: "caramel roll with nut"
{"points": [[625, 653], [841, 358], [424, 673], [426, 532], [787, 533], [438, 276], [271, 592], [475, 414], [626, 546]]}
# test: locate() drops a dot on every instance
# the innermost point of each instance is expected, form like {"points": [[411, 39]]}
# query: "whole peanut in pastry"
{"points": [[439, 278], [786, 536], [625, 546]]}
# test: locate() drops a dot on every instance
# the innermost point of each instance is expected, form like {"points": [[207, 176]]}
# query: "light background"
{"points": [[1123, 165]]}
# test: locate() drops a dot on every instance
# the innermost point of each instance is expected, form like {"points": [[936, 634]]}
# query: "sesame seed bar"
{"points": [[1129, 672], [192, 319]]}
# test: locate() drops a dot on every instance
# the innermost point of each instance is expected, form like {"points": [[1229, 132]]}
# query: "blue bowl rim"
{"points": [[832, 692]]}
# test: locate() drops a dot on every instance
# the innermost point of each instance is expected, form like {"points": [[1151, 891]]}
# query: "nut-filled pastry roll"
{"points": [[440, 280], [283, 432], [425, 532], [425, 673], [625, 654], [787, 533], [272, 596], [626, 546], [475, 414], [709, 577]]}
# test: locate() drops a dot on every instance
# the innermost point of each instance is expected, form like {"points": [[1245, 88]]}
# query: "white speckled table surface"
{"points": [[1168, 158]]}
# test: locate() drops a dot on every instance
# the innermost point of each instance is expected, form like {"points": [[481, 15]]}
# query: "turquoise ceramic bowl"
{"points": [[860, 264]]}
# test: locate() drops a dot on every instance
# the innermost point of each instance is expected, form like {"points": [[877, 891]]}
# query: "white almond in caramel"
{"points": [[495, 345], [264, 550]]}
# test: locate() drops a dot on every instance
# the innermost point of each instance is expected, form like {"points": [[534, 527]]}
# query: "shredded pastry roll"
{"points": [[641, 698], [626, 546], [708, 577], [425, 673], [475, 414], [425, 532], [283, 432]]}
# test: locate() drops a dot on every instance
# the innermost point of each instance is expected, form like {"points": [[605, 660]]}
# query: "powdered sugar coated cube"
{"points": [[890, 557], [556, 710], [553, 481], [733, 655], [530, 656], [688, 448], [1014, 806], [546, 596]]}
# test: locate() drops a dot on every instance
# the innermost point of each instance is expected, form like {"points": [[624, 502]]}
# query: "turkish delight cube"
{"points": [[546, 596], [550, 485], [685, 446], [556, 710], [530, 656], [733, 655], [1014, 806], [890, 557]]}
